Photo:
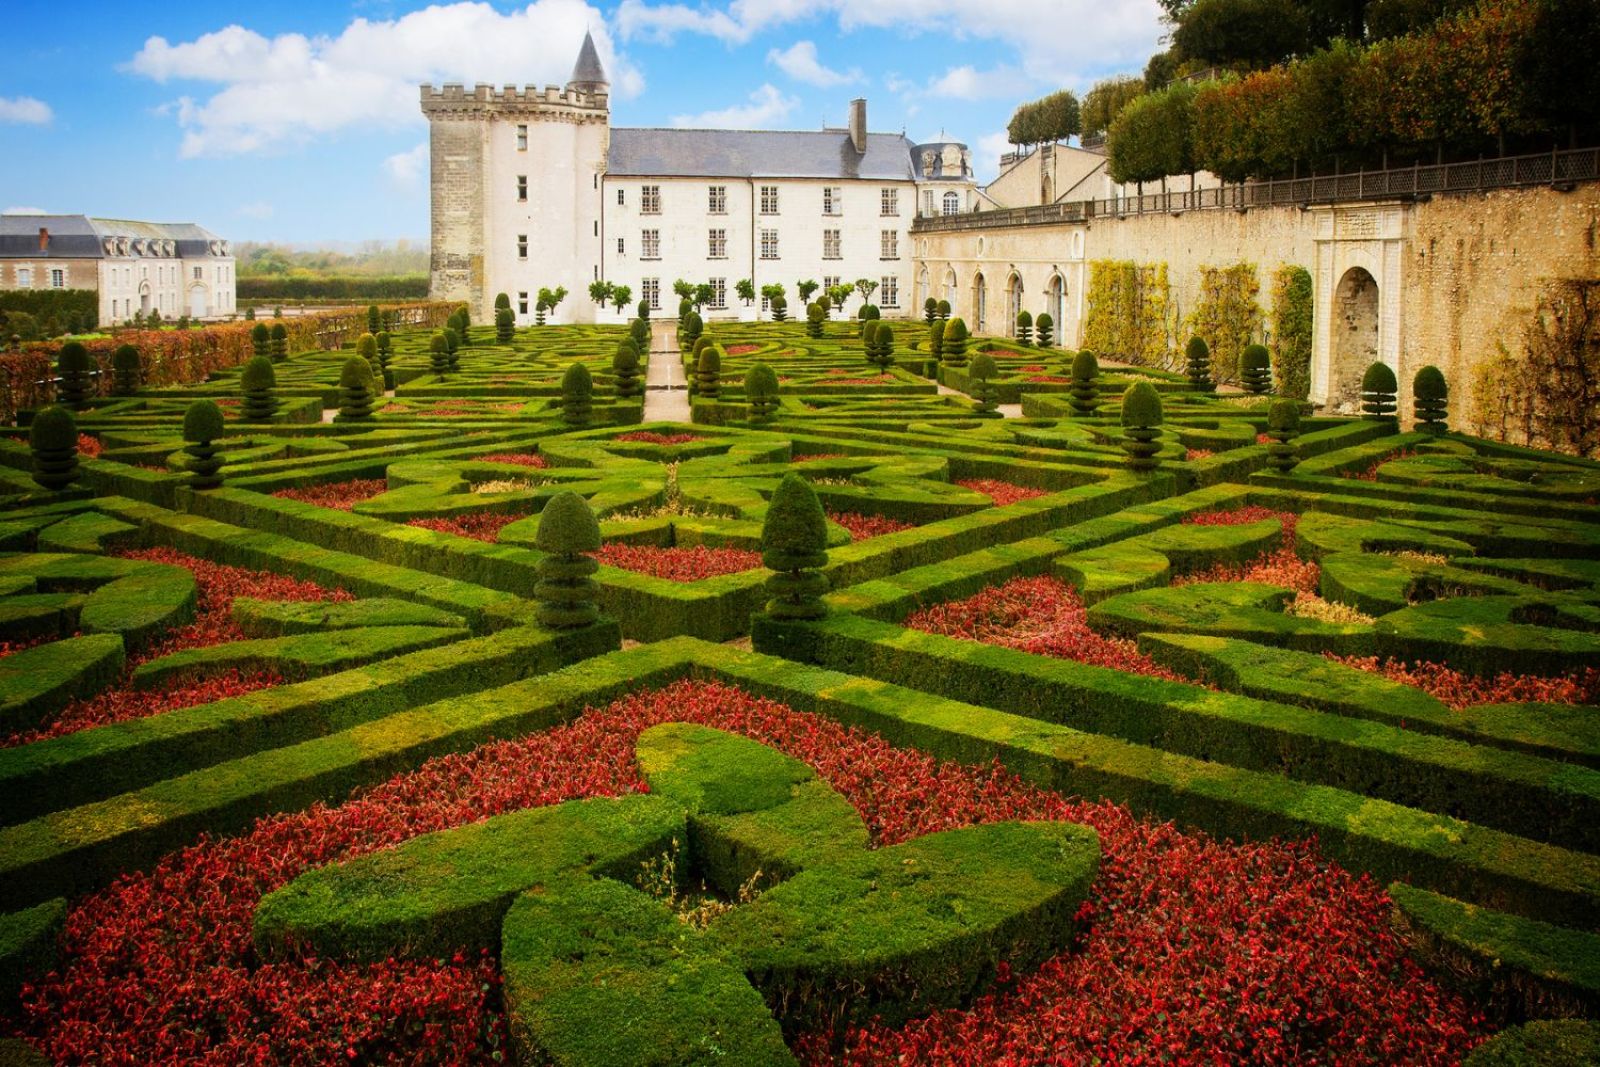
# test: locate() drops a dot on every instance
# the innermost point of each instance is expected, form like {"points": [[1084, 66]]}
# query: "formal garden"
{"points": [[928, 698]]}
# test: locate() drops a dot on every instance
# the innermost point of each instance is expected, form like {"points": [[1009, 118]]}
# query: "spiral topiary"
{"points": [[203, 427], [374, 319], [936, 340], [1044, 328], [367, 349], [1283, 426], [1430, 395], [258, 382], [761, 391], [1024, 328], [505, 326], [261, 339], [126, 371], [955, 343], [708, 371], [625, 365], [566, 593], [280, 342], [1197, 365], [75, 367], [1085, 397], [439, 354], [930, 310], [1141, 422], [944, 309], [814, 319], [1255, 369], [356, 390], [53, 440], [1378, 389], [794, 544], [980, 373], [577, 396]]}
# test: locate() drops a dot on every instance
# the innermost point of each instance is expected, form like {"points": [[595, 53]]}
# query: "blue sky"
{"points": [[298, 122]]}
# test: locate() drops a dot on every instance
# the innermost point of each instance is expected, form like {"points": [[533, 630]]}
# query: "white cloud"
{"points": [[969, 83], [25, 109], [289, 89], [25, 211], [991, 146], [407, 167], [766, 108], [256, 209], [800, 62], [660, 23]]}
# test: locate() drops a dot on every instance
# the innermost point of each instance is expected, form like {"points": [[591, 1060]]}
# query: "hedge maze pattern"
{"points": [[1207, 607]]}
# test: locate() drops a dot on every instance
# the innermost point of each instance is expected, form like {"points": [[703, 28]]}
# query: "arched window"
{"points": [[952, 203]]}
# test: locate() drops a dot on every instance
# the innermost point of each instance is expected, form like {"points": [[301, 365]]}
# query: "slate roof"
{"points": [[654, 152], [81, 237], [588, 70]]}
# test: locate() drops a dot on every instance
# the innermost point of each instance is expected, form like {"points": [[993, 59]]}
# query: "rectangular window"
{"points": [[927, 201], [620, 249], [717, 200], [522, 187], [889, 201], [58, 278], [830, 244], [717, 245], [622, 197], [829, 281], [522, 137], [522, 246], [889, 244], [769, 244], [196, 274], [651, 291], [24, 278], [719, 292], [769, 199], [889, 291], [832, 200], [649, 244], [522, 303], [650, 199]]}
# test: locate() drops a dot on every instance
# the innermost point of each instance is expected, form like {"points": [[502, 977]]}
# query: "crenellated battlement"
{"points": [[511, 99]]}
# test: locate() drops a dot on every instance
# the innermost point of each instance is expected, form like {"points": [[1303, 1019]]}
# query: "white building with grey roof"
{"points": [[533, 188], [135, 267]]}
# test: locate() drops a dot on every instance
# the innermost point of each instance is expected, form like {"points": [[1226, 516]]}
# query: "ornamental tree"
{"points": [[577, 396], [53, 440], [202, 428], [806, 288], [600, 293], [745, 289], [1044, 330], [643, 310], [1197, 365], [944, 309], [639, 333], [625, 365], [367, 349], [794, 544], [505, 326], [814, 318], [357, 389], [567, 594], [1024, 328], [1378, 389], [880, 348], [452, 344], [780, 307], [125, 371], [1141, 422], [930, 310], [621, 296], [258, 383], [708, 371], [761, 391], [955, 343], [1283, 426], [280, 342], [693, 326], [981, 373], [502, 301], [1255, 369], [439, 354], [936, 339], [75, 367], [1085, 395], [1430, 396]]}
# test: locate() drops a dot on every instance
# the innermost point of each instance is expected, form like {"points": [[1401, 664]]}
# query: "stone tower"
{"points": [[515, 189]]}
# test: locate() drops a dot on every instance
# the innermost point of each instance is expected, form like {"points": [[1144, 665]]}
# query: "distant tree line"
{"points": [[338, 287]]}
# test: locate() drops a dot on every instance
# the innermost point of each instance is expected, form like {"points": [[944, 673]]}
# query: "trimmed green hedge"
{"points": [[38, 681], [28, 947]]}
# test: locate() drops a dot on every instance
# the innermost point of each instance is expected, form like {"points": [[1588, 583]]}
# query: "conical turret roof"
{"points": [[588, 73]]}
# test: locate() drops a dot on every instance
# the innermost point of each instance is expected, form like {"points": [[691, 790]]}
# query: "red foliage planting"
{"points": [[1194, 952], [1198, 453], [1049, 379], [482, 526], [1002, 493], [1263, 439], [89, 445], [341, 496], [1371, 473], [460, 409], [1460, 690], [1040, 615], [740, 350], [862, 526], [878, 380], [1276, 566], [686, 564], [125, 703], [1032, 368], [521, 459], [650, 437]]}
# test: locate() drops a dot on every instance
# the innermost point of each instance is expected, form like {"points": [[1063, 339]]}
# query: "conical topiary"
{"points": [[1197, 365], [367, 349], [1283, 426], [258, 382], [1085, 383], [761, 391], [356, 390], [1044, 330], [505, 326], [1378, 389], [1024, 328], [869, 334], [53, 439], [126, 371], [708, 371], [1141, 422], [452, 341], [625, 365], [1430, 396], [936, 340], [202, 429], [374, 319], [639, 332], [566, 592], [261, 339], [280, 342], [814, 319], [385, 351], [981, 374], [439, 354], [955, 343], [883, 348], [794, 544], [577, 395], [1255, 369], [75, 367]]}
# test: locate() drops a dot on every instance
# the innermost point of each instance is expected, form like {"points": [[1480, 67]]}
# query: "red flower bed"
{"points": [[341, 496], [1263, 439], [1371, 473], [862, 527], [1198, 453], [521, 459], [457, 409], [1002, 493], [1276, 566], [741, 350], [482, 526], [1050, 379], [878, 380], [89, 445], [650, 437], [1033, 368], [1195, 951], [686, 564], [1460, 690]]}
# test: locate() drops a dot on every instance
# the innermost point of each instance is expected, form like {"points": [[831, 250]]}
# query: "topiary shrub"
{"points": [[53, 440], [1378, 389], [625, 365], [1430, 397], [452, 342], [1197, 365], [566, 593], [1255, 369], [643, 310], [356, 390], [439, 354], [693, 327], [367, 349], [780, 308], [577, 396], [1044, 330], [936, 340], [761, 391], [75, 367], [814, 319], [505, 326], [930, 310], [825, 302], [1543, 1043], [881, 349], [459, 322], [374, 319], [249, 314], [1283, 426], [1141, 422], [639, 331], [502, 301], [203, 427], [944, 309], [981, 372], [280, 342], [1024, 328], [258, 382], [708, 371], [1085, 396], [794, 542], [955, 343], [126, 371], [261, 339]]}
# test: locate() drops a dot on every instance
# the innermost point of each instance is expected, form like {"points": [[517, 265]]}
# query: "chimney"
{"points": [[44, 239], [858, 125]]}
